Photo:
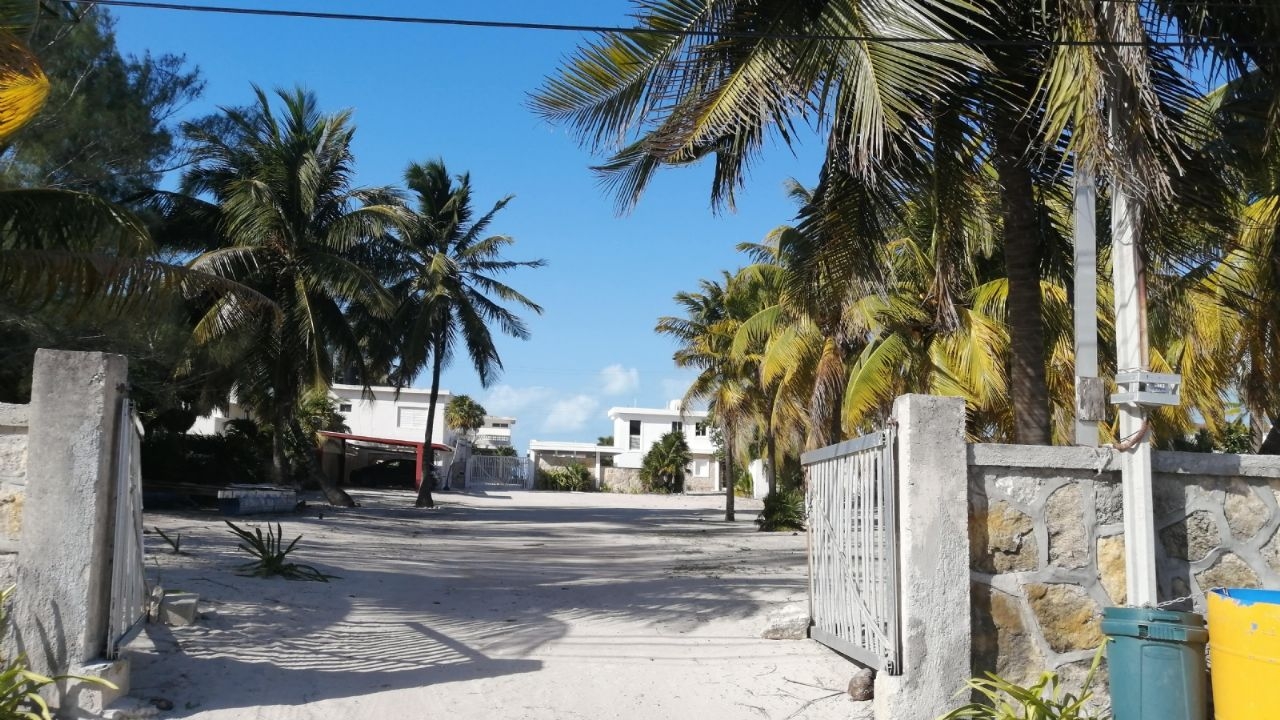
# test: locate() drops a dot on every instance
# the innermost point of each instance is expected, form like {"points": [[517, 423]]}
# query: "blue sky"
{"points": [[420, 92]]}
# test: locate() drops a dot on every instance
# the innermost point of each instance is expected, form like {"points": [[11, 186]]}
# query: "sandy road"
{"points": [[520, 605]]}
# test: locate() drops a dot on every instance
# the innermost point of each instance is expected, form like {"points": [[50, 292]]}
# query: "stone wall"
{"points": [[1047, 545], [13, 486], [622, 480]]}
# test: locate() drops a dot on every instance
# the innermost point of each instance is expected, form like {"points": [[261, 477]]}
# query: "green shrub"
{"points": [[783, 510], [743, 486], [272, 555], [1043, 700], [571, 477], [237, 457]]}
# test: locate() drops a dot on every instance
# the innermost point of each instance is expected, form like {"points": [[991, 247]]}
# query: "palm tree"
{"points": [[712, 317], [734, 73], [271, 198], [663, 466], [464, 415], [448, 290]]}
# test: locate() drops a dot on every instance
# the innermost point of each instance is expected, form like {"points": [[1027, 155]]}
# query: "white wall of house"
{"points": [[386, 415], [635, 430], [495, 433]]}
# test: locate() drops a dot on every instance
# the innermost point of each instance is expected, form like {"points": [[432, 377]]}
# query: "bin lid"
{"points": [[1152, 615], [1249, 596]]}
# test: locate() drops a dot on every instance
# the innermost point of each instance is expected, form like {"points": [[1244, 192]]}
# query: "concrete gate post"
{"points": [[933, 560], [64, 563]]}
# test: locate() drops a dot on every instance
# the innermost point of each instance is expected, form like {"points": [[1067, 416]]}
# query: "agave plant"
{"points": [[272, 555]]}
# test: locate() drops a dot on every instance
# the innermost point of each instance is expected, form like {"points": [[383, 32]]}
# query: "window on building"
{"points": [[635, 428], [344, 407], [701, 468], [700, 429], [677, 427], [412, 417], [633, 442]]}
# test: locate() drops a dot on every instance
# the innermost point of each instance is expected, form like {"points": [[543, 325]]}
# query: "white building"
{"points": [[495, 433], [382, 414], [635, 430], [385, 414]]}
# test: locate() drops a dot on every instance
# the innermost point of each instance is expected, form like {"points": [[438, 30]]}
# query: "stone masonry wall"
{"points": [[1047, 546], [13, 486]]}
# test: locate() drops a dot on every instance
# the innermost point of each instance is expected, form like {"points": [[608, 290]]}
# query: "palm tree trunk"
{"points": [[428, 447], [770, 470], [1028, 388], [729, 484], [333, 494], [279, 460]]}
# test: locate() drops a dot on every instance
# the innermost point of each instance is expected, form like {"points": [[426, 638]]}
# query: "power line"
{"points": [[616, 30]]}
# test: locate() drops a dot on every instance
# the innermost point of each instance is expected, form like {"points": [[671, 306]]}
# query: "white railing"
{"points": [[853, 549], [128, 585], [498, 471]]}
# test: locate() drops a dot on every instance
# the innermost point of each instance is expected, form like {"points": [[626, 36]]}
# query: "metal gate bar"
{"points": [[853, 549]]}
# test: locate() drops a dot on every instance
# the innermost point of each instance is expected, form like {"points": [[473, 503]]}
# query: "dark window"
{"points": [[635, 427], [344, 407], [700, 429], [677, 427]]}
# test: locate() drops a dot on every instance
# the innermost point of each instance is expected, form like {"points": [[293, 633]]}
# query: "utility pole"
{"points": [[1090, 392], [1132, 356]]}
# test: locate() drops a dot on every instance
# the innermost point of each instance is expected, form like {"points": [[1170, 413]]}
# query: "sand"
{"points": [[516, 605]]}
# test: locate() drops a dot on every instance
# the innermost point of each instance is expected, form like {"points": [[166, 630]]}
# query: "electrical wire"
{"points": [[673, 32]]}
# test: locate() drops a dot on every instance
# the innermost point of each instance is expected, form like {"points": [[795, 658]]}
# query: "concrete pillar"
{"points": [[933, 560], [64, 566]]}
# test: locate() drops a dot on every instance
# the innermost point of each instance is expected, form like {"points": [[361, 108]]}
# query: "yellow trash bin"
{"points": [[1244, 653]]}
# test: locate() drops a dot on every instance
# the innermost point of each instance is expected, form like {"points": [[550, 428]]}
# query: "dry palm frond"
{"points": [[23, 85]]}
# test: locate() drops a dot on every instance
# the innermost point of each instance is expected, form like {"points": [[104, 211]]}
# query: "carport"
{"points": [[390, 445]]}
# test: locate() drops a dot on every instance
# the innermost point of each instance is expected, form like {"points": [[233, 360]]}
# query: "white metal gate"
{"points": [[498, 471], [853, 549], [128, 584]]}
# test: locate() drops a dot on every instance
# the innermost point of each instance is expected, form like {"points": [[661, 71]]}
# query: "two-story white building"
{"points": [[495, 433], [383, 425], [635, 430]]}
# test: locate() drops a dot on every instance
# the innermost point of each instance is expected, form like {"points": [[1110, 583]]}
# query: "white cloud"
{"points": [[674, 389], [509, 400], [619, 380], [570, 414]]}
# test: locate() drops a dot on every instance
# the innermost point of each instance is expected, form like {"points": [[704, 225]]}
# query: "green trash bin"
{"points": [[1156, 662]]}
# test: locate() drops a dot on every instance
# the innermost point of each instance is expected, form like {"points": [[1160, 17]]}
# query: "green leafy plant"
{"points": [[20, 687], [574, 477], [1045, 699], [783, 510], [272, 555], [175, 542]]}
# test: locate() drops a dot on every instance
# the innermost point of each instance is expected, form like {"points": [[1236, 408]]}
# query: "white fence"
{"points": [[853, 537], [128, 584], [498, 471]]}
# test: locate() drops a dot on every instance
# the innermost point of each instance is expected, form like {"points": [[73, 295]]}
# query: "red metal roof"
{"points": [[383, 441]]}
